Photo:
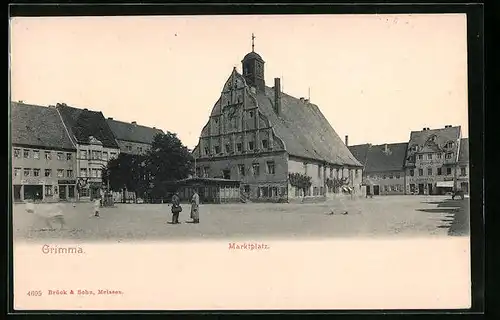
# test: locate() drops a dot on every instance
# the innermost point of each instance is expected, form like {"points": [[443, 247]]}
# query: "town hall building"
{"points": [[260, 135]]}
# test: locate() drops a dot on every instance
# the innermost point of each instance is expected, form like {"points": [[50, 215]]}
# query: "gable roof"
{"points": [[443, 135], [421, 139], [38, 126], [360, 152], [304, 129], [132, 132], [463, 155], [83, 123], [376, 159], [392, 160]]}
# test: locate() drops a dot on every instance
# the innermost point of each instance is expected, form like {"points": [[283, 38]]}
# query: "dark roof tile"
{"points": [[132, 132], [38, 126], [305, 130], [83, 123]]}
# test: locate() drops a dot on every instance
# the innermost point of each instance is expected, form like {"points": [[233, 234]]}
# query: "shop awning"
{"points": [[444, 184]]}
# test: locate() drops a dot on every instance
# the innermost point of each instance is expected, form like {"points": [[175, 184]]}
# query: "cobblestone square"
{"points": [[380, 216]]}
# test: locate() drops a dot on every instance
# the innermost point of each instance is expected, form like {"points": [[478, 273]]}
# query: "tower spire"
{"points": [[253, 44]]}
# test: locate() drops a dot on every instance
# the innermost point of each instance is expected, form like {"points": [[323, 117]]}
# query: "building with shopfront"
{"points": [[95, 146], [432, 160], [260, 135], [383, 172], [43, 155]]}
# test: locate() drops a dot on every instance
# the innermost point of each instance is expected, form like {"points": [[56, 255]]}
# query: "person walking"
{"points": [[176, 208], [195, 207], [97, 206]]}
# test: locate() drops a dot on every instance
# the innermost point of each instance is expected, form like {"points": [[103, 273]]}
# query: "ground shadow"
{"points": [[458, 210]]}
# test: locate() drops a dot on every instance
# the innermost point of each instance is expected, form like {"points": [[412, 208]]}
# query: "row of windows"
{"points": [[439, 171], [334, 173], [90, 172], [448, 145], [96, 155], [394, 188], [396, 175], [430, 156], [129, 148], [28, 172], [239, 147], [254, 170], [35, 154]]}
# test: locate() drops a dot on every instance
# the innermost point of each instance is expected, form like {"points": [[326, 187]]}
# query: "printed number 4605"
{"points": [[35, 293]]}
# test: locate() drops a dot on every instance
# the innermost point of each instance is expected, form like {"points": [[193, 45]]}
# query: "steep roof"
{"points": [[83, 123], [463, 155], [443, 135], [375, 158], [434, 140], [38, 126], [360, 152], [381, 160], [132, 132], [304, 129]]}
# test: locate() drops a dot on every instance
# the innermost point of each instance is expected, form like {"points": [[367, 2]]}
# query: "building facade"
{"points": [[131, 137], [260, 135], [432, 160], [43, 155], [383, 172], [95, 146], [463, 166]]}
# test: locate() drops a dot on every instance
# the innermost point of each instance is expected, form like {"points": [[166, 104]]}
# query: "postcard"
{"points": [[304, 162]]}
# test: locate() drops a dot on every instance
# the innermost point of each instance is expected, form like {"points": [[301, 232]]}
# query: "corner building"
{"points": [[259, 135]]}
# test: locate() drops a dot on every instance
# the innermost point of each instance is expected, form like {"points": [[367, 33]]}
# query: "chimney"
{"points": [[301, 99], [134, 123], [306, 100], [277, 96], [110, 118], [83, 109], [447, 126], [347, 140]]}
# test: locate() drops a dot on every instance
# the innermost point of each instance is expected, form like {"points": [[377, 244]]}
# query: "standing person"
{"points": [[195, 207], [97, 206], [176, 208]]}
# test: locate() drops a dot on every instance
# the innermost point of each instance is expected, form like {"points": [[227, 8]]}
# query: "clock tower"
{"points": [[253, 69]]}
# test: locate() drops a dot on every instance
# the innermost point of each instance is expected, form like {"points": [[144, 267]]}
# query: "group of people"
{"points": [[177, 209]]}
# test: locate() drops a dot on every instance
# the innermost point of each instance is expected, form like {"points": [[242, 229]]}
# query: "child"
{"points": [[97, 205]]}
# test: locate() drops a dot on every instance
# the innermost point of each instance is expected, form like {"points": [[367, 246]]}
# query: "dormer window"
{"points": [[251, 114], [449, 145]]}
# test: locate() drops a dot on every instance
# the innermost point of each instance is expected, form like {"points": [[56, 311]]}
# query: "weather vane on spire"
{"points": [[253, 44]]}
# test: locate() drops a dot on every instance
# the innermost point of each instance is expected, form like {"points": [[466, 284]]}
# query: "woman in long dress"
{"points": [[195, 207]]}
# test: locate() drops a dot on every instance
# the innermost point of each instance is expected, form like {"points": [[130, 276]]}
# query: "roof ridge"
{"points": [[132, 124]]}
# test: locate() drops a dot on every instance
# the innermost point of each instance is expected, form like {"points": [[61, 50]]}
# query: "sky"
{"points": [[375, 77]]}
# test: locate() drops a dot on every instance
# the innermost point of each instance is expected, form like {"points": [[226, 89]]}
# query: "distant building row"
{"points": [[432, 162], [58, 152]]}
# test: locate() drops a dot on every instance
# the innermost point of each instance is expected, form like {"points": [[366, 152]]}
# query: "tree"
{"points": [[168, 160], [300, 181], [127, 171]]}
